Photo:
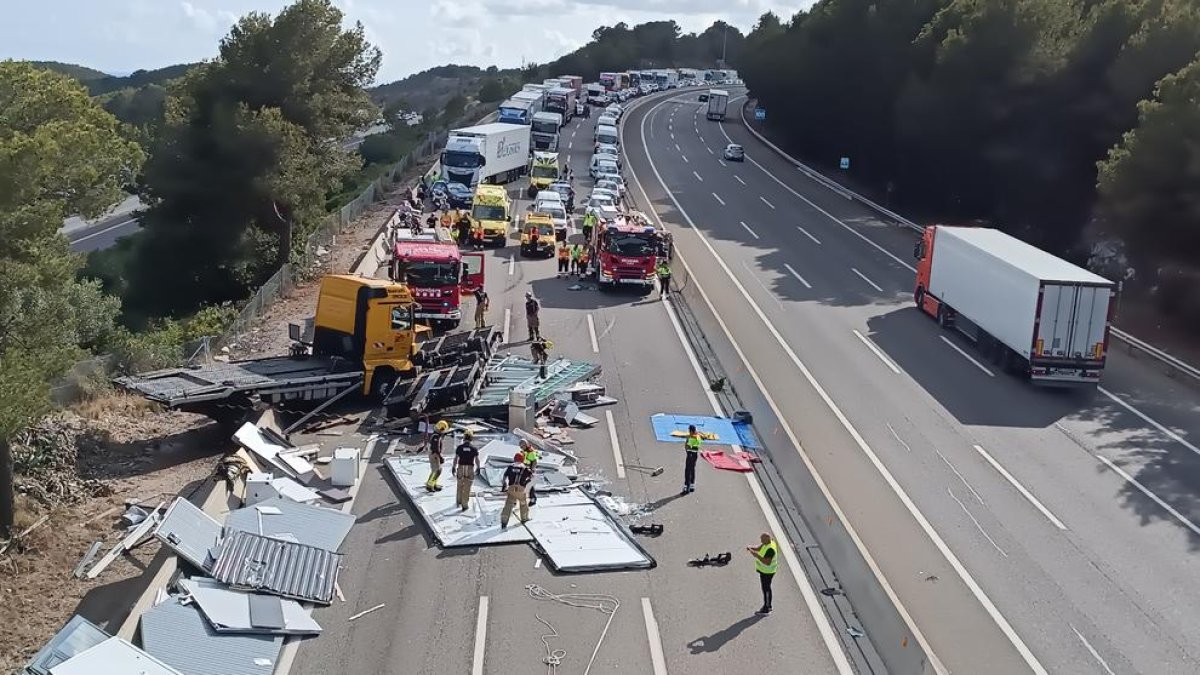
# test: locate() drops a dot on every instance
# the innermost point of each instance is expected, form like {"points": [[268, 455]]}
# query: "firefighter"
{"points": [[585, 259], [466, 465], [531, 456], [464, 229], [482, 304], [517, 478], [539, 349], [440, 430], [532, 310]]}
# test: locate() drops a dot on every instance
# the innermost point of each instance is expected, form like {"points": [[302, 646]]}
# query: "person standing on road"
{"points": [[540, 351], [517, 478], [589, 223], [532, 311], [435, 455], [766, 562], [466, 465], [531, 456], [663, 270], [576, 252], [564, 260], [464, 229], [691, 451], [482, 303]]}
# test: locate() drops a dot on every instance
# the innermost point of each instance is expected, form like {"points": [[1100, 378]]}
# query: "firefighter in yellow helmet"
{"points": [[440, 430], [466, 465]]}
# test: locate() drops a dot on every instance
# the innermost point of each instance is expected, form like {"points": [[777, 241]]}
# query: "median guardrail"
{"points": [[1174, 365]]}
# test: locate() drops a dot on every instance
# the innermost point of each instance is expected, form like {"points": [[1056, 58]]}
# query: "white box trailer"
{"points": [[1028, 311], [486, 153], [718, 102]]}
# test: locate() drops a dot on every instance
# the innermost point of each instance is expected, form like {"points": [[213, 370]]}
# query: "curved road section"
{"points": [[1016, 529]]}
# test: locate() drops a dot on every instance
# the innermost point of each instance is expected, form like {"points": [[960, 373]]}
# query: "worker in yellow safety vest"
{"points": [[691, 447], [440, 431], [766, 562], [531, 456]]}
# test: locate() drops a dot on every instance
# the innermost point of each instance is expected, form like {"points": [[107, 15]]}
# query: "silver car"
{"points": [[614, 186]]}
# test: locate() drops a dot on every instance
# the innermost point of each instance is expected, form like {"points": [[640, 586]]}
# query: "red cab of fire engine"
{"points": [[438, 275]]}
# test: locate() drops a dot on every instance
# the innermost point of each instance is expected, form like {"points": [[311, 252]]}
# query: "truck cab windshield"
{"points": [[630, 245], [545, 127], [544, 172], [462, 160], [432, 273], [487, 212]]}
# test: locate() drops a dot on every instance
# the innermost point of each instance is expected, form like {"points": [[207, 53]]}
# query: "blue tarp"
{"points": [[727, 432]]}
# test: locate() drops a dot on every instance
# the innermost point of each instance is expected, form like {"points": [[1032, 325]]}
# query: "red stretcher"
{"points": [[738, 461]]}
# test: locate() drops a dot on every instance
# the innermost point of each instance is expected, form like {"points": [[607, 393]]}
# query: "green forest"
{"points": [[1064, 122]]}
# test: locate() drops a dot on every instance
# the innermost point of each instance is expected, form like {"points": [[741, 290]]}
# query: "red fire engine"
{"points": [[437, 273], [626, 251]]}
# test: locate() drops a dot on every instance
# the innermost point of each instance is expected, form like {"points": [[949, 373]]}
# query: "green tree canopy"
{"points": [[248, 149], [60, 154]]}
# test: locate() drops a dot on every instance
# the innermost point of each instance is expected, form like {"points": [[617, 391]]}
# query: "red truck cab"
{"points": [[438, 275], [626, 252]]}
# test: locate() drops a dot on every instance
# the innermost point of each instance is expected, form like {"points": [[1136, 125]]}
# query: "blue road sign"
{"points": [[845, 163], [760, 113]]}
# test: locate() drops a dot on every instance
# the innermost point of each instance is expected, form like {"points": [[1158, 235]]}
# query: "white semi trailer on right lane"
{"points": [[1028, 311]]}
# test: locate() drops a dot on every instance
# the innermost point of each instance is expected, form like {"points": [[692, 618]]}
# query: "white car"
{"points": [[611, 173], [555, 210], [603, 164], [605, 212], [606, 120], [598, 199], [611, 192], [614, 110], [548, 196], [615, 186], [606, 152]]}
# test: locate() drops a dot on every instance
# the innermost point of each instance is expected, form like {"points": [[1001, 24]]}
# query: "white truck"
{"points": [[543, 133], [1029, 312], [718, 102], [562, 100], [516, 111], [486, 153]]}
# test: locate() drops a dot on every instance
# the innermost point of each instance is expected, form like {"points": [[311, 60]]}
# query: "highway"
{"points": [[1022, 530], [470, 611]]}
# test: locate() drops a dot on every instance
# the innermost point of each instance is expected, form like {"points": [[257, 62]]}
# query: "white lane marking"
{"points": [[616, 445], [1170, 434], [1092, 650], [573, 132], [967, 356], [876, 350], [1142, 488], [719, 198], [761, 284], [960, 476], [797, 275], [673, 136], [677, 147], [926, 526], [722, 162], [657, 660], [570, 144], [537, 563], [592, 334], [897, 437], [815, 240], [480, 636], [739, 179], [977, 525], [827, 214], [864, 278], [1020, 488], [764, 200], [828, 635], [685, 159], [110, 228], [752, 233], [697, 176], [708, 149], [512, 265], [507, 323]]}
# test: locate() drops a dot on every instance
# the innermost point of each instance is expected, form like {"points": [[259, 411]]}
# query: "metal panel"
{"points": [[249, 561], [218, 380], [310, 525], [178, 635], [577, 534], [114, 656], [189, 531], [77, 636], [230, 611]]}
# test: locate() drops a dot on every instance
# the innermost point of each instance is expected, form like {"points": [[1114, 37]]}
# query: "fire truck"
{"points": [[437, 273], [626, 251]]}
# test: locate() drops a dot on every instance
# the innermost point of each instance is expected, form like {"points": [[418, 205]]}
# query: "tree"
{"points": [[492, 91], [248, 149], [60, 155]]}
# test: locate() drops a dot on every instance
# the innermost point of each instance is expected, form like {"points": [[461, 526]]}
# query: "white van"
{"points": [[606, 134]]}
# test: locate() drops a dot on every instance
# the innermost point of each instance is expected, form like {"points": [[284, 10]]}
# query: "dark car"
{"points": [[734, 152], [703, 98], [457, 194]]}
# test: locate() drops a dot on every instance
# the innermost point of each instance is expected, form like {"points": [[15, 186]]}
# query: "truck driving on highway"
{"points": [[437, 273], [364, 338], [495, 152], [1029, 312], [718, 101], [543, 133]]}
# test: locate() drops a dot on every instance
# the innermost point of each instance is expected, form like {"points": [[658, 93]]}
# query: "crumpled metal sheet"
{"points": [[189, 531], [292, 570]]}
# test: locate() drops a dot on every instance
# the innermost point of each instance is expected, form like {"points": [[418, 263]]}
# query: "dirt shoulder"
{"points": [[116, 448]]}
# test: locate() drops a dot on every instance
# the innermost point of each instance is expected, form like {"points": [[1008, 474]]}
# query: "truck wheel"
{"points": [[943, 317], [382, 382]]}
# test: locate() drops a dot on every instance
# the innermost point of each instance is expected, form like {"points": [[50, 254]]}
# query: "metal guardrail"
{"points": [[1175, 364]]}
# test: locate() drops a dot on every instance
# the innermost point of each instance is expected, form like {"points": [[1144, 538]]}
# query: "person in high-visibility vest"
{"points": [[589, 222], [576, 252], [766, 562], [440, 431], [663, 270], [531, 459], [564, 260], [691, 451]]}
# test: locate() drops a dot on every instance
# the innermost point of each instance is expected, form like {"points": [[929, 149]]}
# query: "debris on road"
{"points": [[365, 612]]}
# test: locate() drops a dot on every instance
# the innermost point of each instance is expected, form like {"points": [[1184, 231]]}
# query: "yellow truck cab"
{"points": [[491, 209], [543, 170], [537, 235]]}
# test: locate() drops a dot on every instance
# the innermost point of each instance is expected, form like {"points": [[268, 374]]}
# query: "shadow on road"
{"points": [[712, 643]]}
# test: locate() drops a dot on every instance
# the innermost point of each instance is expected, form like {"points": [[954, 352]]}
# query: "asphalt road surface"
{"points": [[1021, 529], [673, 618]]}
